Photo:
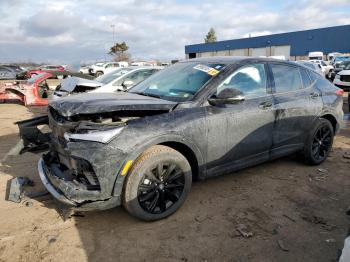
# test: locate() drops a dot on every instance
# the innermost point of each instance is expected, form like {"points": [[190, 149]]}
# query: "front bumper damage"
{"points": [[83, 175]]}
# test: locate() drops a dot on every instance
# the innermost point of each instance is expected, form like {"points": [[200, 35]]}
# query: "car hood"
{"points": [[70, 83], [344, 73], [92, 103]]}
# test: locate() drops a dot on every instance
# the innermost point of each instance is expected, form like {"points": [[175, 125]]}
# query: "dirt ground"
{"points": [[284, 204]]}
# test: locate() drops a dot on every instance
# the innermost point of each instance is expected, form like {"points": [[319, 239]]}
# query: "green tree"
{"points": [[119, 50], [211, 36]]}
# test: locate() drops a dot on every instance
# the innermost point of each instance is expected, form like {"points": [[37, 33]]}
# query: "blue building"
{"points": [[292, 45]]}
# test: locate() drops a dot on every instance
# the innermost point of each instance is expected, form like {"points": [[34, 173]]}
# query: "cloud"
{"points": [[73, 31]]}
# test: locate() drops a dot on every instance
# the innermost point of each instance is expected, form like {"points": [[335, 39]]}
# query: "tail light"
{"points": [[340, 92]]}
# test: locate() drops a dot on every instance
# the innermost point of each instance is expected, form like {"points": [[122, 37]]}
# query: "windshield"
{"points": [[107, 78], [34, 78], [342, 58], [347, 66], [179, 82]]}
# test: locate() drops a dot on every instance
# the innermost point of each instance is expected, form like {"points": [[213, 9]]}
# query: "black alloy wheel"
{"points": [[322, 142], [161, 187]]}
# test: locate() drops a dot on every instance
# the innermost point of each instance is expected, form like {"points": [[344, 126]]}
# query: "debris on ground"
{"points": [[331, 240], [16, 188], [244, 231], [346, 155], [322, 170], [282, 246]]}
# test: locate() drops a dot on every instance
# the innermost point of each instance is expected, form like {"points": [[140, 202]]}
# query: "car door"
{"points": [[296, 103], [241, 134]]}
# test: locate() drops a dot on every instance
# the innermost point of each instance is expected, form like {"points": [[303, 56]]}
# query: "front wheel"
{"points": [[157, 184], [319, 143], [99, 73]]}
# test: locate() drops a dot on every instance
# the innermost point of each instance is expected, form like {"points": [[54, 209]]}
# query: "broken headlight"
{"points": [[104, 136]]}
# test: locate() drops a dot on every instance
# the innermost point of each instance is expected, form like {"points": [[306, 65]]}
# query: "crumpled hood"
{"points": [[91, 103], [70, 83]]}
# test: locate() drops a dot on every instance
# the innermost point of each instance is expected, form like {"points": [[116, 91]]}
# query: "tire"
{"points": [[319, 143], [99, 73], [144, 188], [329, 75]]}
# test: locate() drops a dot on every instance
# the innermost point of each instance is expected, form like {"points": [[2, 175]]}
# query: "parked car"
{"points": [[7, 73], [120, 79], [314, 66], [104, 68], [339, 59], [43, 69], [339, 67], [126, 78], [36, 90], [326, 69], [84, 70], [342, 79], [193, 120]]}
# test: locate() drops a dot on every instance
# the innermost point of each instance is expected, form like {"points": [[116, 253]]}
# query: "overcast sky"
{"points": [[63, 31]]}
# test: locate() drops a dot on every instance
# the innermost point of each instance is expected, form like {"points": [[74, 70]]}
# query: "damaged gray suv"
{"points": [[196, 119]]}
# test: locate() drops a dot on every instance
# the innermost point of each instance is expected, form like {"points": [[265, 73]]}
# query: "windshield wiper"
{"points": [[146, 94]]}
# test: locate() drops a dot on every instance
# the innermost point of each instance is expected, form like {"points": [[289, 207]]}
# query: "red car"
{"points": [[34, 91], [44, 69]]}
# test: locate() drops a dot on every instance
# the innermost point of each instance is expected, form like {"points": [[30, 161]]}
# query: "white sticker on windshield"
{"points": [[207, 69]]}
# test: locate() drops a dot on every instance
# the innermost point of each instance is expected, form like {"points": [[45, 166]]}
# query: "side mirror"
{"points": [[127, 84], [227, 96]]}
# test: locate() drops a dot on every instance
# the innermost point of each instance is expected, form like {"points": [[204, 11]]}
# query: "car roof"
{"points": [[234, 59]]}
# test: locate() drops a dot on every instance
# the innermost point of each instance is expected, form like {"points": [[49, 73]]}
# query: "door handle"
{"points": [[314, 95], [265, 105]]}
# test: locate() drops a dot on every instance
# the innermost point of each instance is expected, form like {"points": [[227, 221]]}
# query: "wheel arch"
{"points": [[188, 153], [332, 120]]}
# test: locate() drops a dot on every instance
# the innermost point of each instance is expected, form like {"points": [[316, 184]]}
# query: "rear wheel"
{"points": [[319, 143], [157, 184]]}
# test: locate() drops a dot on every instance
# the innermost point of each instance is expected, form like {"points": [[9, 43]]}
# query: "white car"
{"points": [[326, 69], [314, 66], [104, 68], [342, 79], [120, 79], [125, 78]]}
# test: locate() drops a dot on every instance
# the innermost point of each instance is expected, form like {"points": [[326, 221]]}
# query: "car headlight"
{"points": [[337, 76], [95, 135]]}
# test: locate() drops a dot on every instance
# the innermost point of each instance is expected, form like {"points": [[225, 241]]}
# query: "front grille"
{"points": [[345, 78]]}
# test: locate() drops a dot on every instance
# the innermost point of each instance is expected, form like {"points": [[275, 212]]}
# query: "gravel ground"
{"points": [[292, 212]]}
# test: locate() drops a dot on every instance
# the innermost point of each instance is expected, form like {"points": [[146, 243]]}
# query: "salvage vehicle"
{"points": [[339, 67], [120, 79], [196, 119], [326, 69], [316, 55], [342, 79], [44, 69], [99, 69], [36, 90], [7, 73], [314, 66]]}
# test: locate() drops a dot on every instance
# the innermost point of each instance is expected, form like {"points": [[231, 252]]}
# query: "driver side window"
{"points": [[249, 79]]}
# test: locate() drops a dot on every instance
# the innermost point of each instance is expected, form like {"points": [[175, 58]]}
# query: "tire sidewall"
{"points": [[130, 198]]}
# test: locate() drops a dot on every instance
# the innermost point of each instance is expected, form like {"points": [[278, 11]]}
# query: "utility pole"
{"points": [[113, 28]]}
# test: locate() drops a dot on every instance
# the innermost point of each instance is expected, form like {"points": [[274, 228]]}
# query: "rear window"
{"points": [[286, 78]]}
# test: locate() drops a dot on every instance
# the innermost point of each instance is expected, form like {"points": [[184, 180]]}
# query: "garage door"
{"points": [[259, 51], [283, 50]]}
